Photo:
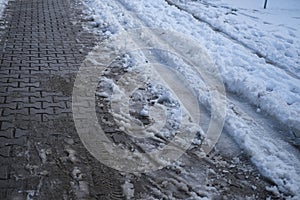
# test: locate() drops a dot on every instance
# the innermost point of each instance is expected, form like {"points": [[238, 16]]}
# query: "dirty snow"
{"points": [[257, 54]]}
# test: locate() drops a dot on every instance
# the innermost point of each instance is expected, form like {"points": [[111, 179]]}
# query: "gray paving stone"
{"points": [[40, 42], [4, 172], [4, 151]]}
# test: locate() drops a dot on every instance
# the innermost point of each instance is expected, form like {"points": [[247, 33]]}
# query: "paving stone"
{"points": [[8, 111], [7, 133], [4, 172], [20, 133], [7, 142], [5, 125], [40, 42], [4, 151]]}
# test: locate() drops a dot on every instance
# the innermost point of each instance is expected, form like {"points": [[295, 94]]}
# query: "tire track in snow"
{"points": [[249, 125], [235, 40], [183, 48], [291, 124], [293, 128]]}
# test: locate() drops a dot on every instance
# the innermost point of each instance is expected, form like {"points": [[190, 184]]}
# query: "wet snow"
{"points": [[257, 54]]}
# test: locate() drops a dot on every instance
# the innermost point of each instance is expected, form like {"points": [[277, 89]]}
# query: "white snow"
{"points": [[257, 53], [273, 33]]}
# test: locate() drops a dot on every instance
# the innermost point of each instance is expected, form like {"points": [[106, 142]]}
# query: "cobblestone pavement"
{"points": [[42, 157]]}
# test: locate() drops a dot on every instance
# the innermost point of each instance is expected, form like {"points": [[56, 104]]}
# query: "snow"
{"points": [[257, 54], [128, 189], [273, 33], [270, 88], [3, 3], [258, 4]]}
